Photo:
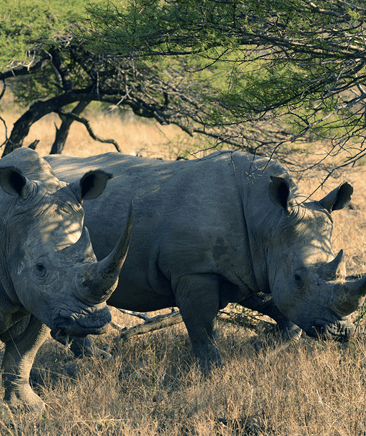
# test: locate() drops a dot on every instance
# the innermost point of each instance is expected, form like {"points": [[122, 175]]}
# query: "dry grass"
{"points": [[152, 387]]}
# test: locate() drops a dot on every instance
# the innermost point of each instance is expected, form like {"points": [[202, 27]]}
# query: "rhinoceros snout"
{"points": [[89, 321], [341, 330]]}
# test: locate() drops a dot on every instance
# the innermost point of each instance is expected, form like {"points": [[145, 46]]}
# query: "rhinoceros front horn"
{"points": [[348, 296], [99, 279], [335, 268]]}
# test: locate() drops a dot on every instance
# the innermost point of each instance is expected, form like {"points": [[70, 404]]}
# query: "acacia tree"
{"points": [[30, 60], [73, 76], [53, 69], [301, 62], [59, 75], [257, 75]]}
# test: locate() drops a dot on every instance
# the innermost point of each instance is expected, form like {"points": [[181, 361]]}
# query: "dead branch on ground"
{"points": [[159, 322]]}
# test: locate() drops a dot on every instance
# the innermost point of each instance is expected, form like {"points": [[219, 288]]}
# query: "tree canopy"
{"points": [[256, 74], [300, 60], [29, 27], [50, 70]]}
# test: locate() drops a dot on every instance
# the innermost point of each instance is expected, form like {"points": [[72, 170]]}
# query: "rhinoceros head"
{"points": [[306, 280], [51, 267]]}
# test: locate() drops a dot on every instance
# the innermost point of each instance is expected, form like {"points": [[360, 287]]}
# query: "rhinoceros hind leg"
{"points": [[197, 297], [19, 355]]}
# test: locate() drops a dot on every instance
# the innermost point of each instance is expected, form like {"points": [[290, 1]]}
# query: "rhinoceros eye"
{"points": [[297, 278], [41, 269]]}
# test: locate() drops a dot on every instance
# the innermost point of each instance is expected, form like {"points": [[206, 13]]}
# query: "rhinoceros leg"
{"points": [[197, 297], [264, 303], [20, 351]]}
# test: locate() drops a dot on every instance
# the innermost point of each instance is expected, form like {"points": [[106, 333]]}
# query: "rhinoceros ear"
{"points": [[13, 182], [91, 185], [338, 198], [279, 193]]}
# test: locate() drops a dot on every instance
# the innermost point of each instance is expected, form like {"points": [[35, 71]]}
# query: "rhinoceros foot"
{"points": [[23, 399]]}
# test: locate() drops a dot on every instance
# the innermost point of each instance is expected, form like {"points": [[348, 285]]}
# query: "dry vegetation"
{"points": [[134, 137], [152, 387]]}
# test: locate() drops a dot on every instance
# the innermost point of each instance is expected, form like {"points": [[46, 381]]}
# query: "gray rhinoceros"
{"points": [[49, 276], [216, 230]]}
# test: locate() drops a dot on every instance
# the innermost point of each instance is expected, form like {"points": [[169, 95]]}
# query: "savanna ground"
{"points": [[152, 387]]}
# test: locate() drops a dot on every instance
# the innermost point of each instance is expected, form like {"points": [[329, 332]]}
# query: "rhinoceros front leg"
{"points": [[20, 351], [197, 297], [264, 303]]}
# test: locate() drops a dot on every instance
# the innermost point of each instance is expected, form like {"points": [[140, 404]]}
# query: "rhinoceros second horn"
{"points": [[334, 268], [348, 296]]}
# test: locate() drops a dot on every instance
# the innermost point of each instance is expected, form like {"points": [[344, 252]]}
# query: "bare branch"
{"points": [[143, 316], [24, 70], [89, 129], [156, 323], [63, 131], [3, 90], [162, 321]]}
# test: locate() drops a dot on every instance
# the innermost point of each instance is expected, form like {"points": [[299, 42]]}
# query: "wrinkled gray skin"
{"points": [[216, 230], [49, 275]]}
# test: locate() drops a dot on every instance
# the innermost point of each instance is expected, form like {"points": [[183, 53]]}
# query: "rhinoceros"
{"points": [[224, 228], [49, 275]]}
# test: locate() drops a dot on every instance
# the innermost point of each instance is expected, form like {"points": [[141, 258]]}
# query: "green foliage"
{"points": [[239, 71], [258, 57], [186, 26], [34, 87], [29, 25], [177, 27]]}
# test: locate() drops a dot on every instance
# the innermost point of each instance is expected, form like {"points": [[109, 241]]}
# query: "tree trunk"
{"points": [[41, 108], [63, 132]]}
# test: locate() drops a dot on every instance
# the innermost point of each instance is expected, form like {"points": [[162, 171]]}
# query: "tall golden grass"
{"points": [[152, 386]]}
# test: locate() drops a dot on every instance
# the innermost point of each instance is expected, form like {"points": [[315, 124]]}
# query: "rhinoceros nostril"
{"points": [[64, 313]]}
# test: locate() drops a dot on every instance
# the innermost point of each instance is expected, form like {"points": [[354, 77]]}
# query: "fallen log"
{"points": [[159, 322], [156, 323]]}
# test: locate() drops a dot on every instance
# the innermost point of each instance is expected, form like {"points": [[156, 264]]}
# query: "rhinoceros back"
{"points": [[190, 218]]}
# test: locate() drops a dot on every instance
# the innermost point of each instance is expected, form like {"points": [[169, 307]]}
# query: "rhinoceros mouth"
{"points": [[340, 330], [82, 323]]}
